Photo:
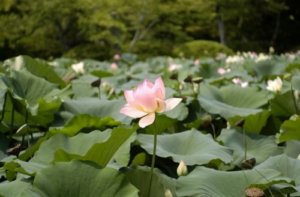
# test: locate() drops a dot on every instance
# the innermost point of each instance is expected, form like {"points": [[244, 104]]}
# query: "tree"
{"points": [[100, 28], [251, 24]]}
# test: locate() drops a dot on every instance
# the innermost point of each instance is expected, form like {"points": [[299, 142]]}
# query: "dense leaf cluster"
{"points": [[61, 132]]}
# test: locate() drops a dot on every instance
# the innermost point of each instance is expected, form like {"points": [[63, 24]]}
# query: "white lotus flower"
{"points": [[262, 57], [244, 84], [234, 59], [174, 67], [78, 68], [290, 56], [250, 54], [275, 85]]}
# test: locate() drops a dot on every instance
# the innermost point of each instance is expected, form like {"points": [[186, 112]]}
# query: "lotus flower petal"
{"points": [[147, 120], [159, 88], [132, 112], [129, 96], [171, 103]]}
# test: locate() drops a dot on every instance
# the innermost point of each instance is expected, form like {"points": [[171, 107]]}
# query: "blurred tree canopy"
{"points": [[101, 28]]}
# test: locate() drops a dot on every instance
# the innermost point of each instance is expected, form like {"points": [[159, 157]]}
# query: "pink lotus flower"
{"points": [[238, 81], [223, 71], [196, 62], [114, 66], [146, 100]]}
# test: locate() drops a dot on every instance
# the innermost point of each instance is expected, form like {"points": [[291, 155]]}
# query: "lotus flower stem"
{"points": [[12, 119], [213, 130], [152, 163], [268, 181], [294, 101], [245, 144]]}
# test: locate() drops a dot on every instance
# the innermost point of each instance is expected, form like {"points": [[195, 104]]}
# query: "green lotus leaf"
{"points": [[96, 107], [82, 87], [78, 144], [140, 178], [19, 188], [208, 182], [255, 123], [27, 86], [289, 130], [232, 100], [191, 146], [114, 150], [3, 146], [101, 73], [256, 146], [295, 81], [288, 167], [269, 68], [37, 67], [292, 148], [78, 179], [83, 122], [284, 104]]}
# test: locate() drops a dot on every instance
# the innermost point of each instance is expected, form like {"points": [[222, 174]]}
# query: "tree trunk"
{"points": [[276, 31], [220, 23]]}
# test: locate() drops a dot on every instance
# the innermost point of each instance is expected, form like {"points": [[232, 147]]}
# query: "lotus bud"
{"points": [[197, 79], [271, 49], [296, 94], [182, 169], [114, 66], [221, 71], [168, 193], [18, 63], [197, 62], [117, 57]]}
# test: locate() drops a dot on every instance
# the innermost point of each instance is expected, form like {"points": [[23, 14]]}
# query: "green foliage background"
{"points": [[100, 28]]}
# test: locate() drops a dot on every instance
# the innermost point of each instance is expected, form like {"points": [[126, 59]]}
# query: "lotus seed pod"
{"points": [[254, 192]]}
